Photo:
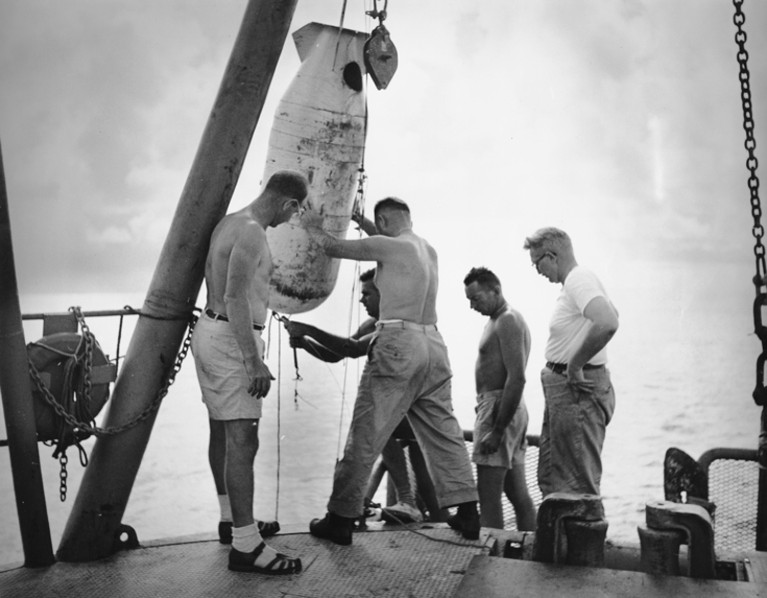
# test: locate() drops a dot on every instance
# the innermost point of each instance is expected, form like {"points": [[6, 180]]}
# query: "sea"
{"points": [[682, 364]]}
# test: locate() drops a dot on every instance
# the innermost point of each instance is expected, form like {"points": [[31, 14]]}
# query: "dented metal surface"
{"points": [[319, 130]]}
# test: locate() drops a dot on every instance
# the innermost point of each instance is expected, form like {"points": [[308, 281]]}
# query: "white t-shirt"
{"points": [[568, 326]]}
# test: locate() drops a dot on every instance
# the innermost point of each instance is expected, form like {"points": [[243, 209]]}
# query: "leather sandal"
{"points": [[281, 564]]}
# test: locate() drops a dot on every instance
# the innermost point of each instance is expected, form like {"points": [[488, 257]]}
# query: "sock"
{"points": [[245, 539], [225, 507]]}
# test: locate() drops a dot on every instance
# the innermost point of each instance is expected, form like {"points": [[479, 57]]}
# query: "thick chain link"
{"points": [[760, 277], [112, 430]]}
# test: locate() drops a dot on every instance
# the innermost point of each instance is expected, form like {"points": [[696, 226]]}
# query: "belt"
{"points": [[561, 368], [405, 324], [216, 316]]}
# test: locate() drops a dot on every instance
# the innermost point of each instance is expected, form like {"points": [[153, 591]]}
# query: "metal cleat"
{"points": [[571, 530], [670, 524]]}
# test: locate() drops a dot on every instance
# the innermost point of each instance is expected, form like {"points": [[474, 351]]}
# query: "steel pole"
{"points": [[94, 523], [19, 412]]}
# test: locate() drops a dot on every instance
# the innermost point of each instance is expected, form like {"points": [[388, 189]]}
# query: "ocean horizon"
{"points": [[682, 365]]}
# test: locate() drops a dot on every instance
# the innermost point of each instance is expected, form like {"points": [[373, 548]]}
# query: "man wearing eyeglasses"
{"points": [[579, 396], [233, 377]]}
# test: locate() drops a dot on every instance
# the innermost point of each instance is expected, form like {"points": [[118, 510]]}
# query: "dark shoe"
{"points": [[468, 525], [266, 528], [334, 528], [281, 564], [225, 532]]}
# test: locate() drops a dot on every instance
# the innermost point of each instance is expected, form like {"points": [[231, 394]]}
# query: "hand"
{"points": [[296, 328], [577, 381], [312, 219], [490, 442], [260, 381], [297, 342]]}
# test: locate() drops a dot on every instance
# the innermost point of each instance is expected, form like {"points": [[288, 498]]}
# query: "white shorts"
{"points": [[221, 371]]}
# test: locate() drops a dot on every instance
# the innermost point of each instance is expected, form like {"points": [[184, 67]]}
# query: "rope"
{"points": [[279, 422], [340, 29]]}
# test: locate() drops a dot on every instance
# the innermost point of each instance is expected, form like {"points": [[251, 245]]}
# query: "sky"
{"points": [[618, 121]]}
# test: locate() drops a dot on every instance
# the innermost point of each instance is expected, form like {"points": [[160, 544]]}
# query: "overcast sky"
{"points": [[619, 121]]}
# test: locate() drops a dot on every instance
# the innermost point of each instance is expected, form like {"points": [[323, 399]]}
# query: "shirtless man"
{"points": [[407, 372], [331, 348], [233, 377], [501, 427]]}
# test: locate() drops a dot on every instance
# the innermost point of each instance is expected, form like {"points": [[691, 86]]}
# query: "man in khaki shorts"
{"points": [[501, 426], [233, 377]]}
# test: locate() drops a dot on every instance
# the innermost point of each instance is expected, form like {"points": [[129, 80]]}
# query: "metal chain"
{"points": [[113, 430], [748, 125], [63, 460], [760, 278]]}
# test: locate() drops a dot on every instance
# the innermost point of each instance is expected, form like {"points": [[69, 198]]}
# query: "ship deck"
{"points": [[424, 561]]}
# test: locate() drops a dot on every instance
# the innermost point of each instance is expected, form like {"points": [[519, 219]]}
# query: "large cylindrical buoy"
{"points": [[319, 130]]}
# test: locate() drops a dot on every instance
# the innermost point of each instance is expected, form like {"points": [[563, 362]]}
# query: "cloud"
{"points": [[619, 120]]}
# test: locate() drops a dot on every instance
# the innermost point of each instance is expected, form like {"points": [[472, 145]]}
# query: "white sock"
{"points": [[225, 507], [245, 539]]}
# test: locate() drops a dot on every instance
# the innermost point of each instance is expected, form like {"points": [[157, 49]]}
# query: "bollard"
{"points": [[571, 530], [697, 530]]}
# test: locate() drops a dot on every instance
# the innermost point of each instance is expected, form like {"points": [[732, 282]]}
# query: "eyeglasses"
{"points": [[538, 261]]}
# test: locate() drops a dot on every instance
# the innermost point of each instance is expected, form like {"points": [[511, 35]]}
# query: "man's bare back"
{"points": [[239, 241]]}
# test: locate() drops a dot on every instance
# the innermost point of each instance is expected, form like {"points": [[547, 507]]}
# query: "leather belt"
{"points": [[405, 324], [216, 316], [561, 368]]}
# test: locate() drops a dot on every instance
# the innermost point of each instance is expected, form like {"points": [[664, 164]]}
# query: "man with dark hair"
{"points": [[233, 377], [579, 395], [501, 426], [407, 372]]}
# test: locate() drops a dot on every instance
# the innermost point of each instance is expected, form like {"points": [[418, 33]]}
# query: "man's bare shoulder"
{"points": [[238, 228], [510, 321]]}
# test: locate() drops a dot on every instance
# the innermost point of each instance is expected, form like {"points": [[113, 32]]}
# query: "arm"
{"points": [[240, 273], [605, 319], [514, 346], [366, 225], [329, 347], [376, 248]]}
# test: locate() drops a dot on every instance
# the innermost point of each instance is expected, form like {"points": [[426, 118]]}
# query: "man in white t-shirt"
{"points": [[579, 395]]}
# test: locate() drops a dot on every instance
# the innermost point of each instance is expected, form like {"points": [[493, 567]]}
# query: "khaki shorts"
{"points": [[221, 371], [514, 442]]}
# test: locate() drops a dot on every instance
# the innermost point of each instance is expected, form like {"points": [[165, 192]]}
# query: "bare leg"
{"points": [[241, 449], [425, 485], [217, 454], [515, 487], [395, 461], [374, 481], [490, 489]]}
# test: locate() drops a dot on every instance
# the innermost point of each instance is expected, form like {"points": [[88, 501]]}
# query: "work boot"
{"points": [[466, 520], [334, 528]]}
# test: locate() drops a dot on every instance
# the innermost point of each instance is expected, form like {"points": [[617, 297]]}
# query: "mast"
{"points": [[18, 405], [94, 523]]}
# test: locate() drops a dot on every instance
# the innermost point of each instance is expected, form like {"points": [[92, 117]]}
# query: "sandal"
{"points": [[281, 564]]}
